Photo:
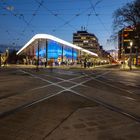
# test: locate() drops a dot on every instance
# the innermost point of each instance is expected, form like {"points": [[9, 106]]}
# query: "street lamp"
{"points": [[130, 57], [0, 60], [131, 43]]}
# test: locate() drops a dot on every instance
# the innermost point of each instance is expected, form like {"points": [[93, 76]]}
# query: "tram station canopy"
{"points": [[46, 45]]}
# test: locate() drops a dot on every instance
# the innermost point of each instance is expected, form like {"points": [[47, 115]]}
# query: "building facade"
{"points": [[125, 36], [86, 40]]}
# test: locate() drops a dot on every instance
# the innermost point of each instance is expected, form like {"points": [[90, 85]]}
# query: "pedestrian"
{"points": [[51, 65], [45, 64], [85, 64]]}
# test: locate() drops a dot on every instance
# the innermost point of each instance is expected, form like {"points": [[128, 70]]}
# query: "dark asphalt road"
{"points": [[69, 104]]}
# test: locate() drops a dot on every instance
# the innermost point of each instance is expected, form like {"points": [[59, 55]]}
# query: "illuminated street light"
{"points": [[130, 57], [131, 43]]}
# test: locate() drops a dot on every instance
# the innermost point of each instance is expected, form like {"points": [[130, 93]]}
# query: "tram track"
{"points": [[98, 101], [110, 83], [93, 99], [111, 107], [24, 93], [32, 102], [6, 113], [50, 84]]}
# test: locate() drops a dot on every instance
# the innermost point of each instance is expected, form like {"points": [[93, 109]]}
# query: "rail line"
{"points": [[113, 86], [44, 86], [18, 108], [93, 99], [111, 107]]}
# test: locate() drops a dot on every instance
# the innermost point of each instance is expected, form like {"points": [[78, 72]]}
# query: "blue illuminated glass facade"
{"points": [[55, 50]]}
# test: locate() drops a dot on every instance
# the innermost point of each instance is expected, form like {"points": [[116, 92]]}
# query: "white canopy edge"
{"points": [[50, 37]]}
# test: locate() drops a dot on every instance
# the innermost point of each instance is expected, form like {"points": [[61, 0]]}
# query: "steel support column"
{"points": [[46, 53], [72, 54], [62, 52], [37, 56], [0, 60]]}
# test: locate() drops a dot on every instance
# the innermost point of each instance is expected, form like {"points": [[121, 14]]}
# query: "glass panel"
{"points": [[67, 52], [75, 54], [55, 51]]}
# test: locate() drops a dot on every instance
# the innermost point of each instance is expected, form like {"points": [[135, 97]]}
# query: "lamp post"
{"points": [[0, 60], [136, 55], [123, 58], [130, 58], [37, 62]]}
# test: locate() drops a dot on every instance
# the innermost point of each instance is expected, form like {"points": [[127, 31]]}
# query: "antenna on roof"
{"points": [[84, 28]]}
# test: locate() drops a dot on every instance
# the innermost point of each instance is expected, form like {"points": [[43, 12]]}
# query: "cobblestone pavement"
{"points": [[63, 104]]}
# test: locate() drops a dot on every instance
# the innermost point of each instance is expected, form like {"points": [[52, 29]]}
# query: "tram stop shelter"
{"points": [[45, 47]]}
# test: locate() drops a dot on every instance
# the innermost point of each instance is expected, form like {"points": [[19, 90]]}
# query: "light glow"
{"points": [[53, 38]]}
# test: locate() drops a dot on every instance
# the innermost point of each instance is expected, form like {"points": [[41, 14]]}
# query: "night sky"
{"points": [[22, 19]]}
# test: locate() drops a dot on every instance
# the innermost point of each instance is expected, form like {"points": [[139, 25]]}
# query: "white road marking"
{"points": [[129, 98], [63, 80], [76, 84], [70, 88], [57, 84], [65, 72], [43, 79], [114, 86]]}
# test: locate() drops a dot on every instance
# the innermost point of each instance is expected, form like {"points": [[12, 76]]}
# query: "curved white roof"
{"points": [[53, 38]]}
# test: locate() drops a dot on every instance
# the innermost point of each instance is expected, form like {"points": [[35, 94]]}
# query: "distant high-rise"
{"points": [[86, 40]]}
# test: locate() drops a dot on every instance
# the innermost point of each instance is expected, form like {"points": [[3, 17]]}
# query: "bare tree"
{"points": [[128, 15]]}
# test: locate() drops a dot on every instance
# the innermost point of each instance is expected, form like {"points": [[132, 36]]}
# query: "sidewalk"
{"points": [[122, 67], [126, 67], [61, 66]]}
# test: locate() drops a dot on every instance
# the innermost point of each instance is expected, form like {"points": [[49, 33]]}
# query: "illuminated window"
{"points": [[83, 37]]}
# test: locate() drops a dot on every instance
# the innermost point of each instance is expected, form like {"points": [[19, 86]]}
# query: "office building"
{"points": [[87, 41], [125, 36]]}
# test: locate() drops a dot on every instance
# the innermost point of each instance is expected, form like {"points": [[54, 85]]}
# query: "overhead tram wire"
{"points": [[15, 15], [67, 23], [97, 15], [76, 15], [60, 18], [87, 24], [21, 16], [54, 14], [36, 11], [33, 15], [88, 14], [9, 34]]}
